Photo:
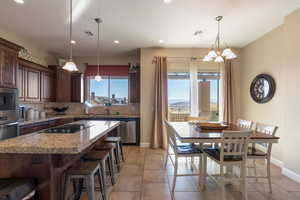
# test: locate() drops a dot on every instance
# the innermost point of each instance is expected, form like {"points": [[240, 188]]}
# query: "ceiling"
{"points": [[142, 23]]}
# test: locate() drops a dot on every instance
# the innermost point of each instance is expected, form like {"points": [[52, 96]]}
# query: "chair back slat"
{"points": [[234, 143], [246, 124], [171, 135], [267, 129]]}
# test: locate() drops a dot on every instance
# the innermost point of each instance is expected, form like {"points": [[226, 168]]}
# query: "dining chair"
{"points": [[231, 151], [262, 151], [246, 124], [180, 151]]}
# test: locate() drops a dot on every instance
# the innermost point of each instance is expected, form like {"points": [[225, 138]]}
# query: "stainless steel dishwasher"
{"points": [[128, 132]]}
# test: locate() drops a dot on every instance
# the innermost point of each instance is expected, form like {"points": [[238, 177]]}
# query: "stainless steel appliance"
{"points": [[8, 105], [9, 113]]}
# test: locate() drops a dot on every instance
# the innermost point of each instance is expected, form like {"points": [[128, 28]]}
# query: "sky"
{"points": [[179, 90], [119, 87]]}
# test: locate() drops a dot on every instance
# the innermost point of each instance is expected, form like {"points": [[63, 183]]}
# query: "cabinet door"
{"points": [[33, 85], [63, 86], [134, 87], [48, 85], [21, 82], [9, 69], [76, 91]]}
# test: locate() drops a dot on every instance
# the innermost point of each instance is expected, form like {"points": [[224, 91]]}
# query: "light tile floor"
{"points": [[143, 177]]}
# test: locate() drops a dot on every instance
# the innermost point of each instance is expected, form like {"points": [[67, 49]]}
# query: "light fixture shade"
{"points": [[207, 58], [70, 66], [227, 52], [231, 56], [219, 59], [212, 54], [98, 78]]}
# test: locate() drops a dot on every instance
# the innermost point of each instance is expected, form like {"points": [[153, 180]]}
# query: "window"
{"points": [[179, 95], [111, 89]]}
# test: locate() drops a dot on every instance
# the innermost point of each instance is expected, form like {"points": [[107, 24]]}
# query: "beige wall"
{"points": [[147, 81], [41, 54], [277, 53]]}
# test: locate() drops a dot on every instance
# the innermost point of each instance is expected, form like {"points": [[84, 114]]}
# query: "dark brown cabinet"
{"points": [[76, 87], [134, 87], [63, 86], [8, 63], [33, 85], [47, 86], [21, 82]]}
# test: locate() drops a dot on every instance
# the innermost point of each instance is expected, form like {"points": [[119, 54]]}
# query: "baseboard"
{"points": [[291, 174], [277, 162], [145, 145]]}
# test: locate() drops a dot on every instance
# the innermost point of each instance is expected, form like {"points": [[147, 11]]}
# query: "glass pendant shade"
{"points": [[207, 59], [70, 66], [227, 52], [231, 56], [212, 54], [219, 59], [98, 78]]}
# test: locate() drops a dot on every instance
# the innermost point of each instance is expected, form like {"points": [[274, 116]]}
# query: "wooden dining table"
{"points": [[188, 132]]}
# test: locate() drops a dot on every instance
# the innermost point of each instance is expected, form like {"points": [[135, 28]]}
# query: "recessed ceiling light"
{"points": [[116, 41], [19, 1], [160, 41], [73, 42], [168, 1]]}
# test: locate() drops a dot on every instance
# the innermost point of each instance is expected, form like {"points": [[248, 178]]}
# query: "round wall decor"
{"points": [[262, 88]]}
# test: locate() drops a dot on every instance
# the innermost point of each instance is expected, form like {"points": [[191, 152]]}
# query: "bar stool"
{"points": [[103, 157], [119, 145], [112, 153], [17, 189], [85, 171]]}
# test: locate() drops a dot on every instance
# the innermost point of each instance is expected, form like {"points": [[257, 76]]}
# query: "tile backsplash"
{"points": [[78, 108]]}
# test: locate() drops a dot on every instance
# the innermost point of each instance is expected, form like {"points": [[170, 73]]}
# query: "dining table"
{"points": [[188, 132]]}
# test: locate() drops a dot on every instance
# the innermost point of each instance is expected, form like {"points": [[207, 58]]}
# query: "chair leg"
{"points": [[204, 170], [111, 169], [255, 171], [99, 175], [90, 186], [175, 175], [117, 158], [166, 157], [200, 169], [121, 150], [243, 180], [103, 177], [269, 174], [222, 181], [66, 187]]}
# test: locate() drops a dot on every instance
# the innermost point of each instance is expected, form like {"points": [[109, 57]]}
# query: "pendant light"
{"points": [[70, 65], [215, 54], [98, 77]]}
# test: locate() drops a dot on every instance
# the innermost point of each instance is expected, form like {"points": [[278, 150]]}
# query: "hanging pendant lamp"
{"points": [[70, 65], [216, 54], [98, 77]]}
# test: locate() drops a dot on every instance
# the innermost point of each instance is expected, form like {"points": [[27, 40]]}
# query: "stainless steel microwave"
{"points": [[8, 105]]}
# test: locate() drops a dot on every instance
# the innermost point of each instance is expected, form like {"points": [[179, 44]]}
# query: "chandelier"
{"points": [[217, 53], [70, 65]]}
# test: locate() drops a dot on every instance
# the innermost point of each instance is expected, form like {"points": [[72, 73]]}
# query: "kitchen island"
{"points": [[45, 156]]}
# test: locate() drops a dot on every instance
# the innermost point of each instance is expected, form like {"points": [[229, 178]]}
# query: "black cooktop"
{"points": [[66, 129]]}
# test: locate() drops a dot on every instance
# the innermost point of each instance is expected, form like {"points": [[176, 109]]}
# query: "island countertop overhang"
{"points": [[59, 143]]}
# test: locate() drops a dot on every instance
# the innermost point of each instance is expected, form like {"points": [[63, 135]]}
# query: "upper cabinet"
{"points": [[8, 63], [134, 87], [35, 82]]}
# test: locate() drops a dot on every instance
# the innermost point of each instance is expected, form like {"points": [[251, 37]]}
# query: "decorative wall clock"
{"points": [[262, 88]]}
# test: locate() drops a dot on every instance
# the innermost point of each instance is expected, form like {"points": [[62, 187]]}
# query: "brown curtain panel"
{"points": [[228, 114], [159, 137]]}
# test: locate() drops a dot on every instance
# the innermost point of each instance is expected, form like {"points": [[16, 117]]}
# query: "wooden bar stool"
{"points": [[17, 189], [112, 153], [85, 171], [103, 157], [119, 145]]}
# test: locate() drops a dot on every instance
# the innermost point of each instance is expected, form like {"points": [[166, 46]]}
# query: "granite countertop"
{"points": [[22, 123], [49, 143]]}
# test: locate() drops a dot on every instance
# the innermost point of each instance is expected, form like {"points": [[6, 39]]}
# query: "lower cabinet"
{"points": [[34, 127]]}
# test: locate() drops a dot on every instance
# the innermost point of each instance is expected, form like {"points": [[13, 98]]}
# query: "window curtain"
{"points": [[227, 93], [159, 137]]}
